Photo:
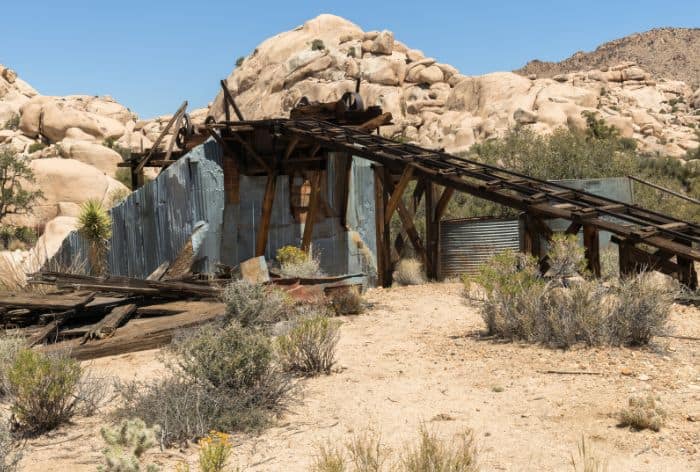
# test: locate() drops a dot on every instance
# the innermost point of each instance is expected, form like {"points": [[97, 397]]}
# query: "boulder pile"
{"points": [[436, 106]]}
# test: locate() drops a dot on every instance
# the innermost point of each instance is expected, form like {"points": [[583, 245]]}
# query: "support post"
{"points": [[432, 232], [382, 231], [591, 243], [311, 214], [686, 271], [268, 200]]}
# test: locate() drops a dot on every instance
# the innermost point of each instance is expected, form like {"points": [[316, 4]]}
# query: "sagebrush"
{"points": [[409, 272], [254, 304], [309, 346]]}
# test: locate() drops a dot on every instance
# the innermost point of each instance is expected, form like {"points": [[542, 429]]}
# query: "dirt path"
{"points": [[414, 357]]}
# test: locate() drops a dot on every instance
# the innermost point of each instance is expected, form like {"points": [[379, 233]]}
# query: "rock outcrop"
{"points": [[435, 106]]}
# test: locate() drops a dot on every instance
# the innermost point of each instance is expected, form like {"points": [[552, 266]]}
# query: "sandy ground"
{"points": [[415, 357]]}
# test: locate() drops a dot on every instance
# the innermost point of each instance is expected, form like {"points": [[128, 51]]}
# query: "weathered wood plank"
{"points": [[312, 214], [264, 227], [397, 193], [109, 324]]}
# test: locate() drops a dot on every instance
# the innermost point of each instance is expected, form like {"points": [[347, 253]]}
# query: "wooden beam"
{"points": [[142, 163], [252, 152], [443, 202], [573, 228], [171, 144], [290, 147], [591, 243], [266, 216], [312, 214], [432, 232], [376, 122], [347, 181], [397, 193], [117, 317], [411, 231], [229, 101], [383, 245]]}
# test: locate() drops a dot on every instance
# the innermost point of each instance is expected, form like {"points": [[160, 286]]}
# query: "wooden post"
{"points": [[432, 232], [347, 181], [530, 238], [264, 228], [686, 271], [591, 242], [397, 193], [312, 213], [626, 259], [382, 231]]}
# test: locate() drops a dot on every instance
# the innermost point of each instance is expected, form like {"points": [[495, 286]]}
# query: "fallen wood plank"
{"points": [[39, 301], [173, 308], [109, 324], [59, 319], [139, 335]]}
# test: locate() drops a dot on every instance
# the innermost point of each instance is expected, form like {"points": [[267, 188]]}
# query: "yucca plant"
{"points": [[95, 225]]}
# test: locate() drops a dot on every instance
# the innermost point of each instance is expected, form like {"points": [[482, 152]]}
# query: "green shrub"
{"points": [[309, 347], [294, 262], [519, 304], [126, 444], [642, 413], [214, 451], [123, 175], [10, 347], [43, 390], [223, 379], [409, 272], [15, 172], [317, 45], [34, 147], [254, 304], [239, 61]]}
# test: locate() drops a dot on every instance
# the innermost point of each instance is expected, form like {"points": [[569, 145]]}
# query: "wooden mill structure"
{"points": [[318, 132]]}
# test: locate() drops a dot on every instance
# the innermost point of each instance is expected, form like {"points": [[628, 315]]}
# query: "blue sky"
{"points": [[151, 54]]}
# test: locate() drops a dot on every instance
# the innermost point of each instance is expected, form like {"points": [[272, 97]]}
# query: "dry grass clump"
{"points": [[294, 262], [409, 272], [366, 453], [48, 390], [224, 378], [10, 347], [309, 346], [10, 450], [520, 304], [348, 302], [12, 274], [642, 413], [588, 461], [254, 304]]}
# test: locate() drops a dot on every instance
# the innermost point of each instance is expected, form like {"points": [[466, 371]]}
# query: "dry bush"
{"points": [[12, 274], [642, 413], [642, 311], [10, 346], [432, 454], [309, 346], [409, 272], [367, 454], [10, 450], [223, 378], [329, 459], [588, 462], [519, 304], [348, 302], [295, 262], [48, 390], [254, 304], [566, 256]]}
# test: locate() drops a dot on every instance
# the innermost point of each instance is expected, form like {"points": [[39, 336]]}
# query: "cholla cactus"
{"points": [[126, 444]]}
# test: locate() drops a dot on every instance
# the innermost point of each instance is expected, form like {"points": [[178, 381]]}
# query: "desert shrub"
{"points": [[329, 459], [95, 225], [10, 347], [432, 454], [254, 304], [366, 453], [309, 347], [44, 390], [34, 147], [566, 256], [118, 196], [12, 123], [609, 263], [347, 302], [126, 444], [642, 413], [15, 172], [10, 450], [642, 311], [409, 272], [317, 45], [239, 61], [214, 451], [518, 304], [223, 378], [294, 262], [587, 460], [123, 175]]}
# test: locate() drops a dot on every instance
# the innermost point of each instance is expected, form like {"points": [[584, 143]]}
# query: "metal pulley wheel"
{"points": [[303, 102], [185, 131]]}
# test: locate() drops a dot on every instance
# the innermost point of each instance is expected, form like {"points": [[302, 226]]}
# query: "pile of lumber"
{"points": [[100, 316]]}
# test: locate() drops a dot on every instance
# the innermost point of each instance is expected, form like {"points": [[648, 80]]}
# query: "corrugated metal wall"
{"points": [[465, 244], [153, 224]]}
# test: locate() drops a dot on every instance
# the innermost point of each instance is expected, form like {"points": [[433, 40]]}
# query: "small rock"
{"points": [[524, 117], [643, 377], [626, 371]]}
